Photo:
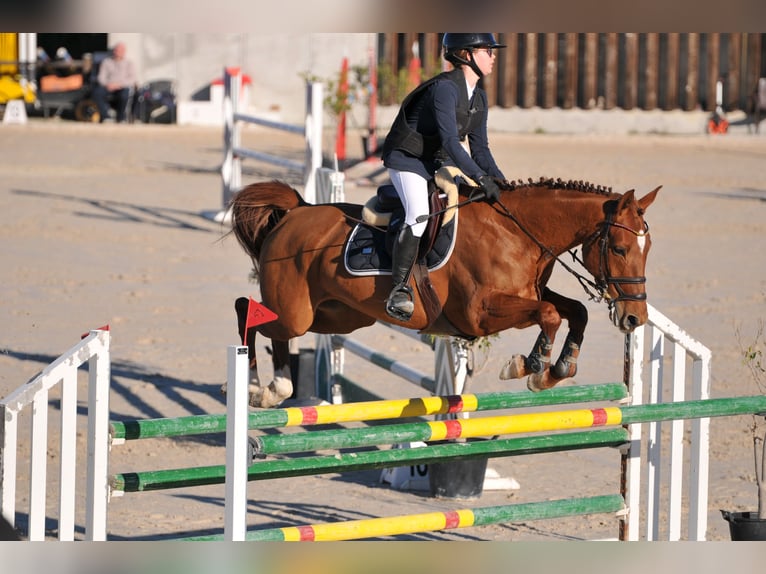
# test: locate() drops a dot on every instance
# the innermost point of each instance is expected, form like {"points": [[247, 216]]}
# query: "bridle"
{"points": [[606, 279]]}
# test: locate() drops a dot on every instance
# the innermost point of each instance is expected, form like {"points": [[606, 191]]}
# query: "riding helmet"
{"points": [[454, 42]]}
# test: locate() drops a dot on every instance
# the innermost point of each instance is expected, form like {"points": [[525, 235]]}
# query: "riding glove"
{"points": [[490, 188]]}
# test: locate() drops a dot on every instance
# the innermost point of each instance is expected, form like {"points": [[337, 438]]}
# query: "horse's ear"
{"points": [[625, 200], [648, 199]]}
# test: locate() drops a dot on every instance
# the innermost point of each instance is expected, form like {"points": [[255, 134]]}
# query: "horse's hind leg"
{"points": [[281, 387]]}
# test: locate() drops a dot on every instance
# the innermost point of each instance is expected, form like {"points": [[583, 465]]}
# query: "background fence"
{"points": [[648, 71]]}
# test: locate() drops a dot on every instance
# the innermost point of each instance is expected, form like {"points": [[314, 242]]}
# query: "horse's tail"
{"points": [[256, 210]]}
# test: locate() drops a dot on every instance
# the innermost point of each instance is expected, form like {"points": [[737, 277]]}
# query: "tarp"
{"points": [[11, 89]]}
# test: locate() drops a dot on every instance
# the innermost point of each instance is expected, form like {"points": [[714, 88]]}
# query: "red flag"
{"points": [[257, 314]]}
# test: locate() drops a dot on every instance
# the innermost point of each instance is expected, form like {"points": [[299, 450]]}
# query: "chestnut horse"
{"points": [[494, 279]]}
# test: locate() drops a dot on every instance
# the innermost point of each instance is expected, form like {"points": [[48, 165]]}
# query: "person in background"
{"points": [[116, 79], [433, 122]]}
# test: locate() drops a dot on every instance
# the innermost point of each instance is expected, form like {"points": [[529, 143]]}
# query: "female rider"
{"points": [[433, 121]]}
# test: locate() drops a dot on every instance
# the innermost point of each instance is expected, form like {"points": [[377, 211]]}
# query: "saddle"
{"points": [[384, 213], [384, 209]]}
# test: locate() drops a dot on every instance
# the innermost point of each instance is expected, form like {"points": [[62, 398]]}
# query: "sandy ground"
{"points": [[103, 225]]}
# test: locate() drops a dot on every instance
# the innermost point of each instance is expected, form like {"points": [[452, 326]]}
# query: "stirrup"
{"points": [[401, 302]]}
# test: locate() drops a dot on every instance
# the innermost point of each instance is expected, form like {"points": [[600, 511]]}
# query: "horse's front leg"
{"points": [[576, 316], [565, 366], [501, 311], [536, 365]]}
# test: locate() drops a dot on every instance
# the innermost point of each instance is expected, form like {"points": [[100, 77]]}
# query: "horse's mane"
{"points": [[558, 183]]}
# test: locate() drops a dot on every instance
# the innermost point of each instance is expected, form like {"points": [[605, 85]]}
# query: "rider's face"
{"points": [[485, 59]]}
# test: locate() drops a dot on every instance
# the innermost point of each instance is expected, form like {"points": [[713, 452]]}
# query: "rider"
{"points": [[427, 133]]}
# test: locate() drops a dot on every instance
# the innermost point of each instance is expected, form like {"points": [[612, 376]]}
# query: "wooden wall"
{"points": [[648, 71]]}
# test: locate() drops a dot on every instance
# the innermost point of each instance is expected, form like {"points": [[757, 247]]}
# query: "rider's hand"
{"points": [[490, 188]]}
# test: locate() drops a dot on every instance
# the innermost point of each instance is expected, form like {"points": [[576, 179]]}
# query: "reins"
{"points": [[596, 290]]}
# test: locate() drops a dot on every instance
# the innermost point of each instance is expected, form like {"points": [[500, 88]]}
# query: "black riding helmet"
{"points": [[452, 43]]}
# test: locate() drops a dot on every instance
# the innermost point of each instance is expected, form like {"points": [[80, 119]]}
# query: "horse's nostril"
{"points": [[633, 321]]}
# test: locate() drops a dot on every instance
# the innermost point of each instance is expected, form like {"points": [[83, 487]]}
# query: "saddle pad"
{"points": [[365, 251]]}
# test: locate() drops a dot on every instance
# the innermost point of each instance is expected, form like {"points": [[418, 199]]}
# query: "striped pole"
{"points": [[367, 411], [366, 460], [504, 424], [435, 521], [581, 418]]}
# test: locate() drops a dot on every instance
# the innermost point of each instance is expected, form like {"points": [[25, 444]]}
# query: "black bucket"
{"points": [[745, 525], [457, 478]]}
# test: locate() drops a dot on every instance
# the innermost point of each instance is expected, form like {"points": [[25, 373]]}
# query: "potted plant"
{"points": [[752, 525]]}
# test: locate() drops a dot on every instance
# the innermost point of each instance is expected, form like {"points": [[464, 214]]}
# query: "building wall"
{"points": [[277, 64]]}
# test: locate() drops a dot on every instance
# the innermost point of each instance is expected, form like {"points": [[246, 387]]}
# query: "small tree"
{"points": [[753, 359], [342, 93]]}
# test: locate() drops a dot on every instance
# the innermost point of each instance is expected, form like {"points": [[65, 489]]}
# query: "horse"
{"points": [[494, 279]]}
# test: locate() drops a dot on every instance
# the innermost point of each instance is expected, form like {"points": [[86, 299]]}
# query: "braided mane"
{"points": [[558, 183]]}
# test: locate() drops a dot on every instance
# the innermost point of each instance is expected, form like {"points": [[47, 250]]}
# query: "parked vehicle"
{"points": [[66, 86]]}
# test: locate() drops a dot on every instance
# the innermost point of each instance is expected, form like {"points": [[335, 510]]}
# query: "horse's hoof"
{"points": [[533, 383], [282, 386], [537, 383], [564, 369], [514, 368], [254, 382], [267, 397]]}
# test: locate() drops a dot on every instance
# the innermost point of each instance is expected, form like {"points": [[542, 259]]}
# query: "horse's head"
{"points": [[616, 257]]}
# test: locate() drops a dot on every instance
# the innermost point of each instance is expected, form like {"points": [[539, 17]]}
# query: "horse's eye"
{"points": [[619, 250]]}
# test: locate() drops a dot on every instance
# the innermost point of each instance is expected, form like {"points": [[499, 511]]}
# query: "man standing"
{"points": [[116, 79]]}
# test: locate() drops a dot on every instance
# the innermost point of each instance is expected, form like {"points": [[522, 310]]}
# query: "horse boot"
{"points": [[401, 304]]}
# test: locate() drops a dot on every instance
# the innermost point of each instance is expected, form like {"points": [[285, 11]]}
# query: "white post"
{"points": [[676, 446], [654, 438], [67, 474], [231, 167], [699, 473], [237, 463], [313, 134], [99, 372], [632, 476], [8, 463], [39, 461]]}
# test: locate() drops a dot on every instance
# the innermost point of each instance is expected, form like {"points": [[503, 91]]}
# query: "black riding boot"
{"points": [[400, 304]]}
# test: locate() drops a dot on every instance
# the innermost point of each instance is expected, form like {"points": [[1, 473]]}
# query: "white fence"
{"points": [[231, 167], [660, 461], [34, 396]]}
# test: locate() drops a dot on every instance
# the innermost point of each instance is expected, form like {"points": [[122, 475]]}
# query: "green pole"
{"points": [[699, 409], [345, 462]]}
